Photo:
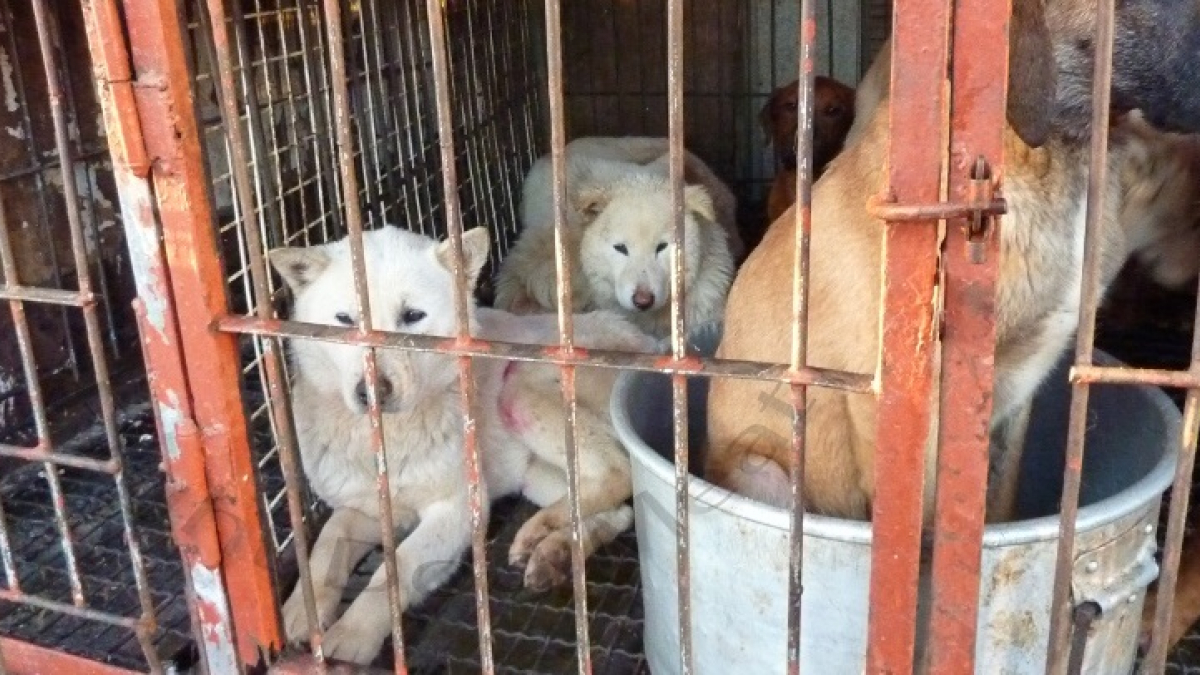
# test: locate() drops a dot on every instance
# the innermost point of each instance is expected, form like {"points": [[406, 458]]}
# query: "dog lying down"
{"points": [[520, 431], [620, 237]]}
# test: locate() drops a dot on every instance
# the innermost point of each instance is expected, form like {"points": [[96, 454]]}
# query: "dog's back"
{"points": [[1041, 250]]}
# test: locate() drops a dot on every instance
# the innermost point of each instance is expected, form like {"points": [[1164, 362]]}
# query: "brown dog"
{"points": [[1046, 153], [833, 113]]}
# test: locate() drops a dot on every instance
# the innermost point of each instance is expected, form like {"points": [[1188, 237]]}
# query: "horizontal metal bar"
{"points": [[660, 363], [1174, 379], [40, 454], [48, 296], [25, 657], [80, 612], [883, 209]]}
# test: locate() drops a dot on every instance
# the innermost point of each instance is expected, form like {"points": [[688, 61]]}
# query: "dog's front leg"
{"points": [[347, 537], [425, 560]]}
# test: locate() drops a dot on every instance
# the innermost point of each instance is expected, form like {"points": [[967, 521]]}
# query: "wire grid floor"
{"points": [[532, 633], [104, 564]]}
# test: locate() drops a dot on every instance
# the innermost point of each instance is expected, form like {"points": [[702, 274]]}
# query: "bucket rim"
{"points": [[1111, 509]]}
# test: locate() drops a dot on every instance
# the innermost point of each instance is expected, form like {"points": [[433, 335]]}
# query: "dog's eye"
{"points": [[833, 110], [791, 106], [344, 318], [661, 247], [621, 248], [410, 316]]}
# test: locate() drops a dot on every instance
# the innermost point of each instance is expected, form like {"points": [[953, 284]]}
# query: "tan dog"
{"points": [[1046, 158], [833, 113]]}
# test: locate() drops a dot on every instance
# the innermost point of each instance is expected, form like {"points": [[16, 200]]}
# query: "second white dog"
{"points": [[620, 238]]}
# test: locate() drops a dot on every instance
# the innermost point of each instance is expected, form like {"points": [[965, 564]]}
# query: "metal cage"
{"points": [[163, 534]]}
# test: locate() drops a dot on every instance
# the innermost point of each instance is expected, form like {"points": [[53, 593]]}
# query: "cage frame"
{"points": [[144, 83]]}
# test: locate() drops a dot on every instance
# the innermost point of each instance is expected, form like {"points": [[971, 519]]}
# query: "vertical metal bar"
{"points": [[441, 77], [807, 34], [193, 522], [1156, 655], [166, 108], [977, 124], [1085, 338], [6, 554], [566, 323], [37, 402], [675, 133], [350, 196], [42, 189], [95, 338], [279, 397], [907, 332]]}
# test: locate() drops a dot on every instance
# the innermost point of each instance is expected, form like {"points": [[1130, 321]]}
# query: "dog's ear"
{"points": [[766, 118], [475, 244], [298, 265], [1032, 73], [590, 201], [697, 200]]}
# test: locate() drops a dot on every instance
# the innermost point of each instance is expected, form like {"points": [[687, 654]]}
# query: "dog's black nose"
{"points": [[385, 390], [643, 299]]}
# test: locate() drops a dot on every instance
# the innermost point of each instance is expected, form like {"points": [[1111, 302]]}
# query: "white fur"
{"points": [[600, 160], [519, 430], [624, 252]]}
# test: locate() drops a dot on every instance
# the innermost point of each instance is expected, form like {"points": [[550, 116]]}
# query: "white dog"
{"points": [[599, 160], [520, 431], [619, 226]]}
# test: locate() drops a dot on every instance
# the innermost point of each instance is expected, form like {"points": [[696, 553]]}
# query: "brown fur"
{"points": [[833, 113], [1046, 155]]}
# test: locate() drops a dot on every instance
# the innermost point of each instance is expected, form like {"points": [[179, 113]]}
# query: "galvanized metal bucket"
{"points": [[739, 551]]}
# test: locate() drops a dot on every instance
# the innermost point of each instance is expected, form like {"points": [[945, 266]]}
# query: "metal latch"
{"points": [[979, 224], [980, 208]]}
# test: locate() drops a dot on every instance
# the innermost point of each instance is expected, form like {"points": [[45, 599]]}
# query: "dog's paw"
{"points": [[550, 564], [356, 641], [295, 618], [528, 538]]}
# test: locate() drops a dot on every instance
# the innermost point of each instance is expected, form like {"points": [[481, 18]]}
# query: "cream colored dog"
{"points": [[1041, 240], [520, 431]]}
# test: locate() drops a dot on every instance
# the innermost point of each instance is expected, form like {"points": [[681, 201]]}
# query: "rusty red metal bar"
{"points": [[48, 296], [8, 266], [46, 32], [46, 455], [566, 322], [193, 522], [906, 360], [971, 266], [807, 34], [679, 335], [276, 378], [692, 365], [18, 657], [1156, 656], [1060, 608], [165, 106], [884, 209], [354, 224], [1171, 379]]}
